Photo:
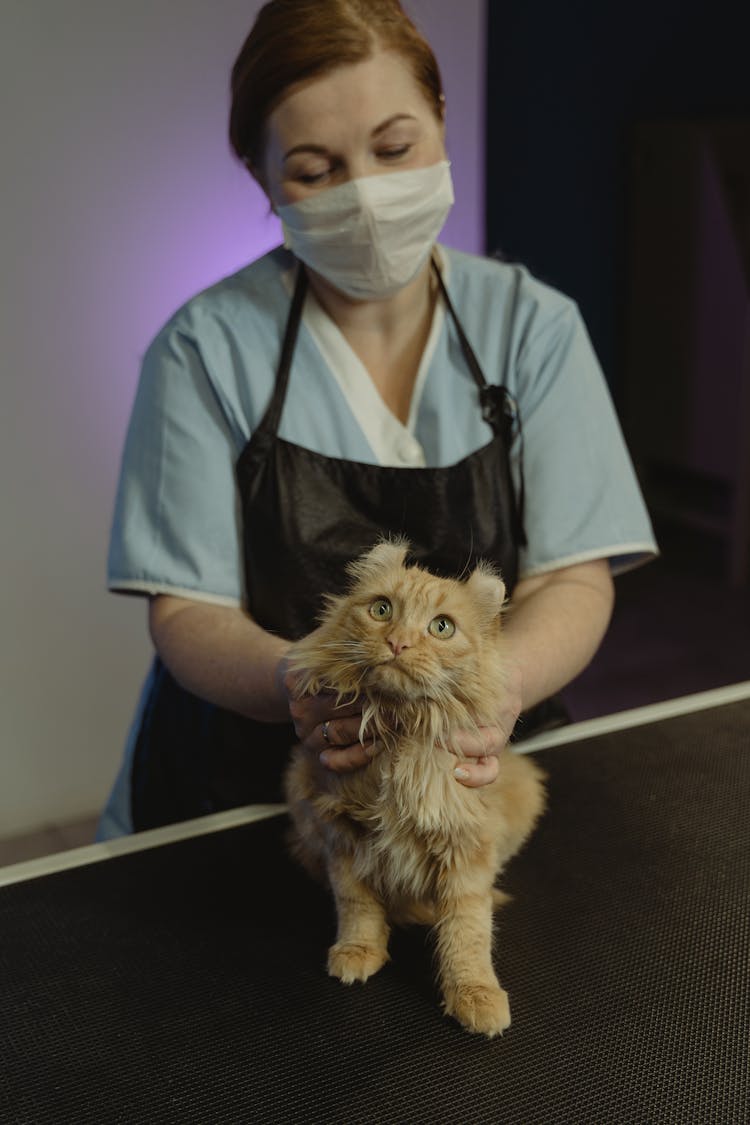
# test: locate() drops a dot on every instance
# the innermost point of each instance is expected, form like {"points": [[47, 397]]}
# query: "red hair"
{"points": [[293, 41]]}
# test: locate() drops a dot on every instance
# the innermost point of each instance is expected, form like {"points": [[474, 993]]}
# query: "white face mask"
{"points": [[370, 237]]}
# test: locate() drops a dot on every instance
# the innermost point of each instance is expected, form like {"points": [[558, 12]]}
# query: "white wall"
{"points": [[119, 200]]}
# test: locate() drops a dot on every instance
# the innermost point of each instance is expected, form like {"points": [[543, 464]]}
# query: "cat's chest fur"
{"points": [[407, 818]]}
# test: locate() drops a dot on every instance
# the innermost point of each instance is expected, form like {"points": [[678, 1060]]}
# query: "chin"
{"points": [[395, 682]]}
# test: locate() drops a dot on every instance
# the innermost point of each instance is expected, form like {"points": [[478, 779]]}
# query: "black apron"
{"points": [[304, 517]]}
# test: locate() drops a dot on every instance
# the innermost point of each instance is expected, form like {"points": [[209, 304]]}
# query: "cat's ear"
{"points": [[385, 554], [488, 590]]}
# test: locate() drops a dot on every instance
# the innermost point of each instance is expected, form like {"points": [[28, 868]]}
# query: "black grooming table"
{"points": [[186, 983]]}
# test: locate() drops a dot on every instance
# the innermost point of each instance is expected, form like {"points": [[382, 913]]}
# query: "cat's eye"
{"points": [[442, 626], [381, 609]]}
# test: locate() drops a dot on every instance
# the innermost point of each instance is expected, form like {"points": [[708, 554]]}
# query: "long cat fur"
{"points": [[401, 840]]}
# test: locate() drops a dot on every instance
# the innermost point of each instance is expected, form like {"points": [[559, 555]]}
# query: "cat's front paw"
{"points": [[350, 961], [480, 1008]]}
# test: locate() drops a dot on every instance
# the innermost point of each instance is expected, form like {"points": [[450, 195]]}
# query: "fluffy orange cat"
{"points": [[401, 840]]}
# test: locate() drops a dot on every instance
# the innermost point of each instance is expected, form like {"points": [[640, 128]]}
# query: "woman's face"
{"points": [[360, 120]]}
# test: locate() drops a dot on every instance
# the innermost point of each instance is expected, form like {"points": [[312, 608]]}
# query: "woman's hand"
{"points": [[478, 753], [330, 731]]}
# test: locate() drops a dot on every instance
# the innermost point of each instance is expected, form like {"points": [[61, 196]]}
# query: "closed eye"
{"points": [[312, 177], [395, 152]]}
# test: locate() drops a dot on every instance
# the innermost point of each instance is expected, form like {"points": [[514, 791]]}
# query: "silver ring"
{"points": [[324, 730]]}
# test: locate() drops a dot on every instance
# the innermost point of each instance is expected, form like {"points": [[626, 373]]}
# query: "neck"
{"points": [[388, 336], [388, 318]]}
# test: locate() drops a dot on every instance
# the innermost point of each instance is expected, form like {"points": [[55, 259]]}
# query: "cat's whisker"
{"points": [[467, 564], [340, 646]]}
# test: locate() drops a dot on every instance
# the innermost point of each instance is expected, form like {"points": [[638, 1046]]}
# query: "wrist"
{"points": [[279, 684]]}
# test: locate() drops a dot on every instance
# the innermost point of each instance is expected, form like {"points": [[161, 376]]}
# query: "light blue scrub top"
{"points": [[208, 376]]}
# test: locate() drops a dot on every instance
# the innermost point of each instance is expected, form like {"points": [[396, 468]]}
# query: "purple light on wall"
{"points": [[121, 201], [169, 219]]}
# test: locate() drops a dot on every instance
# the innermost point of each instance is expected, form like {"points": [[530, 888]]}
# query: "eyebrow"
{"points": [[321, 150]]}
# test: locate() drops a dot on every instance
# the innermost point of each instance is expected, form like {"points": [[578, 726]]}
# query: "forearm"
{"points": [[221, 655], [555, 624]]}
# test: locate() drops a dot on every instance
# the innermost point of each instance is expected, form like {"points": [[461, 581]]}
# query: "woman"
{"points": [[360, 380]]}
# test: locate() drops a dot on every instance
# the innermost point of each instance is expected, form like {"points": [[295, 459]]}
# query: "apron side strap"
{"points": [[521, 496]]}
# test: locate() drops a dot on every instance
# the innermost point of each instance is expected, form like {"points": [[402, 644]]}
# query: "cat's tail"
{"points": [[500, 898]]}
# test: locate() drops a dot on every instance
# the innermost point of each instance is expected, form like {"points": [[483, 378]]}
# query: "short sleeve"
{"points": [[583, 500], [176, 521]]}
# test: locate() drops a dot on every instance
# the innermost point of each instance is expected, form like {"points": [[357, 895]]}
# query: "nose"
{"points": [[396, 643], [357, 168]]}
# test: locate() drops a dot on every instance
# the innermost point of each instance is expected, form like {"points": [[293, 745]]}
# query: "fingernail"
{"points": [[458, 772], [323, 758]]}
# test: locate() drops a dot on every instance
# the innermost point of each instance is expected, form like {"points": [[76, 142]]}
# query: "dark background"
{"points": [[566, 84], [618, 170]]}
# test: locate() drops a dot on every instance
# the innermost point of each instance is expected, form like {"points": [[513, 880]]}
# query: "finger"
{"points": [[304, 714], [477, 771], [348, 757], [342, 710], [480, 743], [310, 711], [335, 733]]}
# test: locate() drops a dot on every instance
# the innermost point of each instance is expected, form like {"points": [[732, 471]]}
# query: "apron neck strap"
{"points": [[498, 408], [272, 417]]}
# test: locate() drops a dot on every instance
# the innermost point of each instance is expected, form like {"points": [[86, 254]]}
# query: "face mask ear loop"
{"points": [[499, 408]]}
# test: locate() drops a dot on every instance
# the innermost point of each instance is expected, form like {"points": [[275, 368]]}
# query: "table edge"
{"points": [[636, 717], [247, 814]]}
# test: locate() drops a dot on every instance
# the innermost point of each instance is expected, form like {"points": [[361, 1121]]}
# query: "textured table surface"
{"points": [[187, 983]]}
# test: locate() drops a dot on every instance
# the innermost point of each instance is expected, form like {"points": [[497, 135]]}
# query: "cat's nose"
{"points": [[396, 644]]}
